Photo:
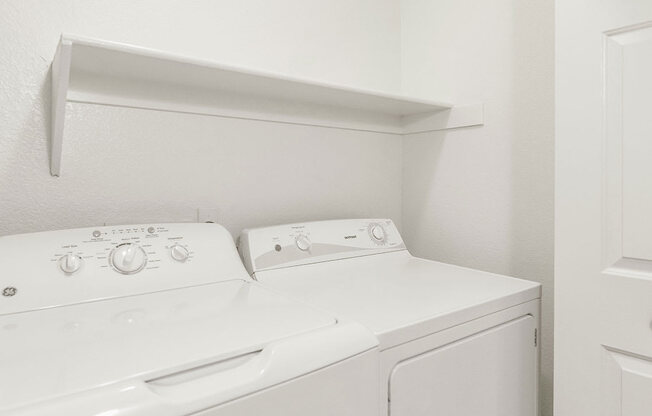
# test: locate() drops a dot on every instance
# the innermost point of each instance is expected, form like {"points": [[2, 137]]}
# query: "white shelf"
{"points": [[102, 72]]}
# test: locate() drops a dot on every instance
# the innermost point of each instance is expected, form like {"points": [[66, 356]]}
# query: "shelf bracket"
{"points": [[60, 79]]}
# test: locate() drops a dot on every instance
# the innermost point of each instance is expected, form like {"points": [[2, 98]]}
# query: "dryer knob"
{"points": [[377, 233], [303, 243]]}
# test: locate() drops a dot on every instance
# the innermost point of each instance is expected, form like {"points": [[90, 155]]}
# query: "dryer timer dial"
{"points": [[377, 233]]}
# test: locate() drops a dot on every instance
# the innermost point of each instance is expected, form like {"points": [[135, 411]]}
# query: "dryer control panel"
{"points": [[54, 268], [311, 242]]}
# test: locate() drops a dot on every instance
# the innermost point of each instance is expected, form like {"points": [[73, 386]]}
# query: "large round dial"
{"points": [[179, 253], [303, 243], [128, 258], [377, 233], [70, 263]]}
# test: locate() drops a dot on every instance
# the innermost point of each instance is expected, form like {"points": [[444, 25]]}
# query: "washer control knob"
{"points": [[303, 243], [70, 263], [128, 258], [179, 253], [377, 233]]}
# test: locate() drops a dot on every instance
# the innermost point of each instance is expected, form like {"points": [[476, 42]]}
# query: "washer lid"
{"points": [[398, 296], [52, 352]]}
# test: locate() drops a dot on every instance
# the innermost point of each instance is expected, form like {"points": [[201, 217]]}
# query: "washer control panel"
{"points": [[303, 243], [69, 266], [127, 250]]}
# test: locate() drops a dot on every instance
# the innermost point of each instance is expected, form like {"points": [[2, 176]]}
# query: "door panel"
{"points": [[492, 373], [603, 227], [628, 148], [629, 392], [626, 283], [629, 57]]}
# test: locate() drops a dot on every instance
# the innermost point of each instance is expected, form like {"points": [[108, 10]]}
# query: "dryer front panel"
{"points": [[492, 373]]}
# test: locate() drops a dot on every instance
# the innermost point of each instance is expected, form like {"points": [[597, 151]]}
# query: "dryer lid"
{"points": [[60, 351]]}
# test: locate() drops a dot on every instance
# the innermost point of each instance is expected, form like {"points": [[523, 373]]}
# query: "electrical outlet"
{"points": [[208, 215]]}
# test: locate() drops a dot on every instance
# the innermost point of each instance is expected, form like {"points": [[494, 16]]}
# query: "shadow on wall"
{"points": [[533, 167], [433, 171], [421, 154]]}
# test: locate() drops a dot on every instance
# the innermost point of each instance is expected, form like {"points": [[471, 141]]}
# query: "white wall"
{"points": [[127, 165], [480, 197], [483, 197]]}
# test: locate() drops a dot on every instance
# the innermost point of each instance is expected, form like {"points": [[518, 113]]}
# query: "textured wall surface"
{"points": [[483, 197], [126, 165], [479, 197]]}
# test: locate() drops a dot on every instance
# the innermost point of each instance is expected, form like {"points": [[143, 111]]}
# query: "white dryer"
{"points": [[454, 341], [164, 320]]}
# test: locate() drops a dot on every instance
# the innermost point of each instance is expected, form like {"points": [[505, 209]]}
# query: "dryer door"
{"points": [[492, 373]]}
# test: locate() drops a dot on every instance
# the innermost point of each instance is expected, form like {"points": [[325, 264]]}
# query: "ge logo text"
{"points": [[9, 291]]}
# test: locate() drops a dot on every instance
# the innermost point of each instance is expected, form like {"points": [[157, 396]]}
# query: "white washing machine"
{"points": [[454, 341], [164, 320]]}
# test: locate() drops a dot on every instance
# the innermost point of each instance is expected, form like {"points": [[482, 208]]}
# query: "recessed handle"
{"points": [[206, 370]]}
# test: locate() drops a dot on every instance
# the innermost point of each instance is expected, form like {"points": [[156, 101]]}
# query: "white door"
{"points": [[603, 293]]}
